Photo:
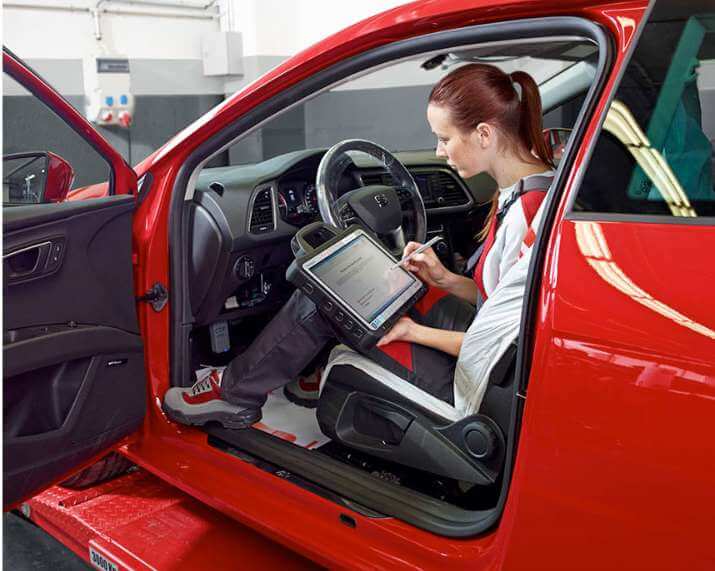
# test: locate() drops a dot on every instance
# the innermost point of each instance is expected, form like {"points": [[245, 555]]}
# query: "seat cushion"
{"points": [[343, 355]]}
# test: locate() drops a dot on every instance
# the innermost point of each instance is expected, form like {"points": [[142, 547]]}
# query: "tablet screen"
{"points": [[360, 273]]}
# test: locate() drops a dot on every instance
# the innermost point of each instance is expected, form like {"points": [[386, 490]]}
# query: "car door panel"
{"points": [[74, 380]]}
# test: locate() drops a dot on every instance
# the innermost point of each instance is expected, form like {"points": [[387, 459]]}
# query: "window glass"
{"points": [[44, 160], [654, 155], [388, 105]]}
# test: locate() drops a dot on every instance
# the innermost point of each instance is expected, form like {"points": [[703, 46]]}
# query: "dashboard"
{"points": [[242, 219], [297, 201]]}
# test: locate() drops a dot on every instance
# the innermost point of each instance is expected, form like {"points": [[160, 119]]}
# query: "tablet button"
{"points": [[339, 316], [327, 306], [349, 324], [358, 332], [308, 288]]}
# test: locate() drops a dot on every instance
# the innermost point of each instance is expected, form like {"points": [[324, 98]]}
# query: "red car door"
{"points": [[73, 377], [617, 456]]}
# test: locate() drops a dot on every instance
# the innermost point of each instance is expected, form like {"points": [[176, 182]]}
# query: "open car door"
{"points": [[74, 376]]}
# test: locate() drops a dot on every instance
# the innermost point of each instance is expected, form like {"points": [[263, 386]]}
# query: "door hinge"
{"points": [[158, 295]]}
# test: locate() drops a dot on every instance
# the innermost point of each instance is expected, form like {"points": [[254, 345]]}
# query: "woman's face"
{"points": [[468, 153]]}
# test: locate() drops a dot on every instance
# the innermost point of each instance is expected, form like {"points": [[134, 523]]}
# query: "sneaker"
{"points": [[304, 391], [202, 403]]}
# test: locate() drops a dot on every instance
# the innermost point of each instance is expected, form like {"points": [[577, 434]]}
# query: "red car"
{"points": [[593, 447]]}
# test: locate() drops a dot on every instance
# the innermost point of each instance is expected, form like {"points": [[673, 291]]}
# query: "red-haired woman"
{"points": [[485, 121]]}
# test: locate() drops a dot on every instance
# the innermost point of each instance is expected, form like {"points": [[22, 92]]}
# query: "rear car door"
{"points": [[73, 377]]}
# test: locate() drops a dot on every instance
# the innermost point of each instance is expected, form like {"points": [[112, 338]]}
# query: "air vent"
{"points": [[445, 190], [262, 212], [439, 188]]}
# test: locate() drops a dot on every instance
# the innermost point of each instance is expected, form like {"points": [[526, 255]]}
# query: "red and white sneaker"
{"points": [[305, 391], [202, 403]]}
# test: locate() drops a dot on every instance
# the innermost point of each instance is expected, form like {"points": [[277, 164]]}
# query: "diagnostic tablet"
{"points": [[354, 282]]}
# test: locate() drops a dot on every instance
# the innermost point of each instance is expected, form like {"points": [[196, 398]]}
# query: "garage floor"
{"points": [[26, 547]]}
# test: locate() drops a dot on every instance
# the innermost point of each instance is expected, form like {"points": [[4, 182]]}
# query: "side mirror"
{"points": [[35, 178], [557, 139]]}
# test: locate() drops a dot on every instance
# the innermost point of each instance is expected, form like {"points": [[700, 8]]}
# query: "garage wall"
{"points": [[170, 94]]}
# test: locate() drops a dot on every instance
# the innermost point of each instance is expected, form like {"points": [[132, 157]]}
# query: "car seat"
{"points": [[368, 408]]}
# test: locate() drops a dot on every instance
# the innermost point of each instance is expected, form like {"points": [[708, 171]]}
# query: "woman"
{"points": [[485, 121]]}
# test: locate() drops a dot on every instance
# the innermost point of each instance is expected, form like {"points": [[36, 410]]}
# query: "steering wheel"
{"points": [[380, 208]]}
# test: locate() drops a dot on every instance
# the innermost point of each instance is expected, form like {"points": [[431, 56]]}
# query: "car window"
{"points": [[654, 155], [388, 105], [44, 160]]}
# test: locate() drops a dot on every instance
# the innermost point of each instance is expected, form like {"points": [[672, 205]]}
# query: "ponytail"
{"points": [[530, 124]]}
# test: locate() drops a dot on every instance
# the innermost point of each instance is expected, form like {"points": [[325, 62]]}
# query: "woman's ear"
{"points": [[485, 135]]}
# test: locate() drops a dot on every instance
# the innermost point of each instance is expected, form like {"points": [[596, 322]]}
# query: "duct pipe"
{"points": [[117, 10]]}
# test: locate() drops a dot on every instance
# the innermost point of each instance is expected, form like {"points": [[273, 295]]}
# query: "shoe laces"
{"points": [[206, 384]]}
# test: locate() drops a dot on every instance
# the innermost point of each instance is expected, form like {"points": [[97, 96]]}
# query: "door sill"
{"points": [[351, 487]]}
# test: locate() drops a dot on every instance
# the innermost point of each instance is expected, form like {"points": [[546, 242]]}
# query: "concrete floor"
{"points": [[26, 547]]}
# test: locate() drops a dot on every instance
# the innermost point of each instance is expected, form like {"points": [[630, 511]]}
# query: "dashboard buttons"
{"points": [[244, 268], [339, 316], [308, 288], [349, 324], [327, 307]]}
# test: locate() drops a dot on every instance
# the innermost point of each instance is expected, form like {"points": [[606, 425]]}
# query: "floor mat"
{"points": [[283, 419], [291, 422]]}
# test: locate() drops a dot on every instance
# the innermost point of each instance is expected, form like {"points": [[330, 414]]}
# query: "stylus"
{"points": [[419, 250]]}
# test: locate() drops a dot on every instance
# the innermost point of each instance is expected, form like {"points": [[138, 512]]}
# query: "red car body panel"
{"points": [[616, 414], [616, 457]]}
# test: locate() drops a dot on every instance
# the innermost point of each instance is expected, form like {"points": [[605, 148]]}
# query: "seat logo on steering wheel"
{"points": [[381, 200]]}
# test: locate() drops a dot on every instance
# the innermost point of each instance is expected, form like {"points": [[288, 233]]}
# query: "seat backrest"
{"points": [[499, 395]]}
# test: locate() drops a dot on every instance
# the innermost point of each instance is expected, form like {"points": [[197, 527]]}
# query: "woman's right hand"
{"points": [[427, 266]]}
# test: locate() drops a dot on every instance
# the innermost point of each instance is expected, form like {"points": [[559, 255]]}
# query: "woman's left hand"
{"points": [[403, 330]]}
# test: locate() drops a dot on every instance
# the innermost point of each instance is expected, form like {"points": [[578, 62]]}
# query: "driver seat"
{"points": [[368, 408]]}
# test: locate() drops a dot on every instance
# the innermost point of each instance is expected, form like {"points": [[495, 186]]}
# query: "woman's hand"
{"points": [[427, 266], [407, 330], [402, 330]]}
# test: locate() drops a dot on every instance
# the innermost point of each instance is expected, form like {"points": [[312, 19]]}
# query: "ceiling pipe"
{"points": [[158, 14], [70, 7], [183, 4], [41, 6], [96, 10]]}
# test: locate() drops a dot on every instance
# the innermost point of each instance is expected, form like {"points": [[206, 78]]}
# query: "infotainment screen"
{"points": [[363, 276]]}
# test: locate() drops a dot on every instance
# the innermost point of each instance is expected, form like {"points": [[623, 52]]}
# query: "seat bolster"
{"points": [[343, 355]]}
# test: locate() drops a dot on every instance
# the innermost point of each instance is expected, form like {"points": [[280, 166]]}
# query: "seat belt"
{"points": [[540, 183]]}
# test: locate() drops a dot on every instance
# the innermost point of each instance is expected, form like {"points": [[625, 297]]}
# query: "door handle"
{"points": [[26, 262]]}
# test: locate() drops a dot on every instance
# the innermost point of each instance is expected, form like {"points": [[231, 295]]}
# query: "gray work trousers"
{"points": [[298, 332]]}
